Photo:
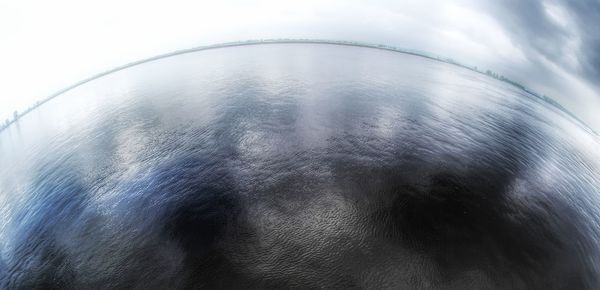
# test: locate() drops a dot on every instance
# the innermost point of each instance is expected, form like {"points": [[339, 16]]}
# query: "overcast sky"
{"points": [[550, 46]]}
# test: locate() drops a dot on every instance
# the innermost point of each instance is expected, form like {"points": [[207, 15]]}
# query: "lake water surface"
{"points": [[298, 166]]}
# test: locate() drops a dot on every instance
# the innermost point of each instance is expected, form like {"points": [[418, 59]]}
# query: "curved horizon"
{"points": [[489, 73]]}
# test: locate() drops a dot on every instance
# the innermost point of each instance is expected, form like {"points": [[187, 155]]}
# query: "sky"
{"points": [[550, 46]]}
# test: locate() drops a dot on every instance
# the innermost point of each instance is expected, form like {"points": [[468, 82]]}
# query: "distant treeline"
{"points": [[17, 115]]}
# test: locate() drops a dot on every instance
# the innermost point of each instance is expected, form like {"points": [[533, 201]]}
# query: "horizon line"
{"points": [[489, 73]]}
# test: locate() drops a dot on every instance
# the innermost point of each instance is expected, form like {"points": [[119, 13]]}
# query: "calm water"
{"points": [[291, 165]]}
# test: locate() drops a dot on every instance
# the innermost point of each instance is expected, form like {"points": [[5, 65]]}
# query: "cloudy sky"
{"points": [[551, 46]]}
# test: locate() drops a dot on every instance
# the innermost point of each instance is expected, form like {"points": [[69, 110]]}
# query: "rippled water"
{"points": [[297, 165]]}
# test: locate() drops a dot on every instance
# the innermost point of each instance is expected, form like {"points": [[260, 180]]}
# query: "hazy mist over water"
{"points": [[298, 165], [550, 46]]}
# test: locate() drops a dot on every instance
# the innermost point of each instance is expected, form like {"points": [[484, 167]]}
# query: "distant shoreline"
{"points": [[548, 100]]}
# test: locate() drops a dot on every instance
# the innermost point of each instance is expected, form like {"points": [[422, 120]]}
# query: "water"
{"points": [[298, 165]]}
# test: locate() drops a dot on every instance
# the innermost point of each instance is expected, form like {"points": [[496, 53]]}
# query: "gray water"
{"points": [[298, 166]]}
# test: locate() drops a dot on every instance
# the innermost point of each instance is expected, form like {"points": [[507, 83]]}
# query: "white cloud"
{"points": [[47, 45]]}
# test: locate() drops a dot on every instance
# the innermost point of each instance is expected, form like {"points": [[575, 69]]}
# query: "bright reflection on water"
{"points": [[297, 165]]}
